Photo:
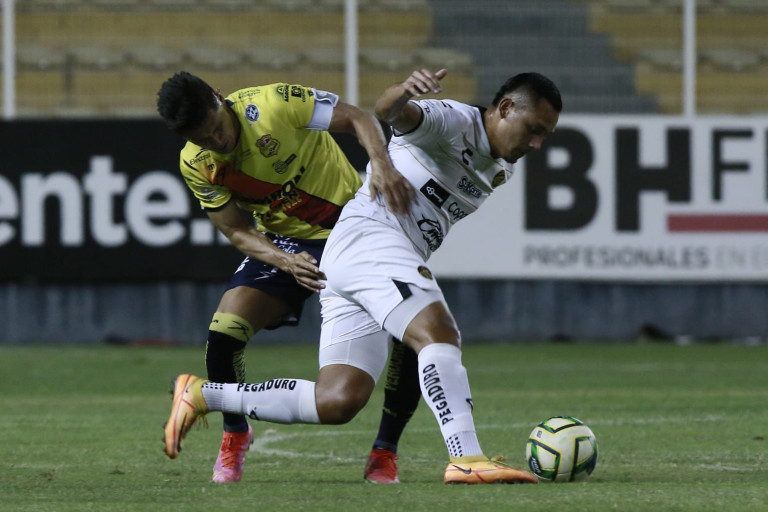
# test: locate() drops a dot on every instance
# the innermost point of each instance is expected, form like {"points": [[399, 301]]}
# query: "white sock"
{"points": [[445, 388], [276, 400]]}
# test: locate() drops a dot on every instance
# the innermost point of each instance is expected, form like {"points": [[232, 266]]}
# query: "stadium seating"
{"points": [[607, 55], [272, 59], [157, 58], [732, 67], [39, 58], [41, 5], [116, 4], [387, 58], [174, 4], [112, 55]]}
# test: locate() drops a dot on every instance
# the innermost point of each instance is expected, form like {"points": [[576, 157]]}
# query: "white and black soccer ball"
{"points": [[561, 449]]}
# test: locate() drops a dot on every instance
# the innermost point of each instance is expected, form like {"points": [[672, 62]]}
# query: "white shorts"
{"points": [[377, 283]]}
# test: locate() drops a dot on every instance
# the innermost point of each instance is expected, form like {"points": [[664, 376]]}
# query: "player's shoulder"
{"points": [[240, 99], [447, 107], [276, 93], [450, 114], [195, 158]]}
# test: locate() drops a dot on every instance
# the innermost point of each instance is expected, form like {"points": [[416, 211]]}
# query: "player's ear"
{"points": [[506, 106]]}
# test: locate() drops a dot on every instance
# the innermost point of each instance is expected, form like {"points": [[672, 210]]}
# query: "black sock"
{"points": [[401, 397], [225, 363]]}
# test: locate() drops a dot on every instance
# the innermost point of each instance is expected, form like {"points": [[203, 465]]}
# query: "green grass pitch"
{"points": [[678, 428]]}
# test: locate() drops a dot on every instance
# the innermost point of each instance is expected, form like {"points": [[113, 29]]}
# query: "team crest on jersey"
{"points": [[252, 112], [268, 145], [424, 271]]}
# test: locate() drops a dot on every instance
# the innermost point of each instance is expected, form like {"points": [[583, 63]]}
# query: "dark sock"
{"points": [[225, 363], [401, 397]]}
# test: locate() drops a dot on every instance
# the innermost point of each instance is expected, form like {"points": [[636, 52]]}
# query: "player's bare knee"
{"points": [[336, 407], [341, 391], [418, 337], [434, 324]]}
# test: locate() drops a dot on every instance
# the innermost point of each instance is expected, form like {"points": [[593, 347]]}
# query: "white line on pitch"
{"points": [[269, 436]]}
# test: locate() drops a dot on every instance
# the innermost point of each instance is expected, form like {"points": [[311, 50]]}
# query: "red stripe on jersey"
{"points": [[242, 184], [314, 210]]}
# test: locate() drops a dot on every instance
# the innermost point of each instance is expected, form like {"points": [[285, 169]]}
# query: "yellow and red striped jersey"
{"points": [[293, 177]]}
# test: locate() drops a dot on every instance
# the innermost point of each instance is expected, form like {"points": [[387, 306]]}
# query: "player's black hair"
{"points": [[184, 101], [534, 84]]}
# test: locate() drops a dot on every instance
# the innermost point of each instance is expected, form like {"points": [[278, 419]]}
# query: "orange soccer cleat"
{"points": [[188, 406], [482, 470]]}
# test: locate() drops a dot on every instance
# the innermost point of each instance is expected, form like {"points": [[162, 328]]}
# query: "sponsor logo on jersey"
{"points": [[199, 157], [298, 91], [435, 193], [424, 271], [268, 145], [252, 112], [466, 185], [285, 91], [282, 165], [431, 232], [286, 190], [455, 211], [247, 93], [209, 194]]}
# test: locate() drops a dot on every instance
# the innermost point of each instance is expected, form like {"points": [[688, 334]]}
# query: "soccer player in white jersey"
{"points": [[264, 167], [378, 284]]}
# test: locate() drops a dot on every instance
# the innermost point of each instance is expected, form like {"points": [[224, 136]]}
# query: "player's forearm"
{"points": [[390, 104], [370, 136], [257, 245]]}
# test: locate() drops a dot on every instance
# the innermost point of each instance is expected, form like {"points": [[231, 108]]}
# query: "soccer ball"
{"points": [[561, 449]]}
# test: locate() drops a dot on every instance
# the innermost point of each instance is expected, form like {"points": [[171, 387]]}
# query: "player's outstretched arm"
{"points": [[238, 227], [393, 107], [385, 179]]}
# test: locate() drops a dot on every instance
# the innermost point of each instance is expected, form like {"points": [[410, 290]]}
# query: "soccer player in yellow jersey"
{"points": [[271, 178]]}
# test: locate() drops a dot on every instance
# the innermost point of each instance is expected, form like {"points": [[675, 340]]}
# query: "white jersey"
{"points": [[447, 159]]}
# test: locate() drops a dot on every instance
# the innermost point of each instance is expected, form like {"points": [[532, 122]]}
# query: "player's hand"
{"points": [[424, 81], [397, 191], [303, 267]]}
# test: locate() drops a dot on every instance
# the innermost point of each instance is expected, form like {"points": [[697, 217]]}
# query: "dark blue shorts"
{"points": [[273, 281]]}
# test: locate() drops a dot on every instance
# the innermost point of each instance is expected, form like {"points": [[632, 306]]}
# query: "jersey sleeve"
{"points": [[437, 120], [212, 197], [295, 104]]}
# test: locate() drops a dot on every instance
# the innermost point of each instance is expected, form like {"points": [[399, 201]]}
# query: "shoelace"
{"points": [[499, 461], [232, 458]]}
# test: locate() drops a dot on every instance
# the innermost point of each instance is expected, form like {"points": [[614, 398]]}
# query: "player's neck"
{"points": [[490, 120], [238, 126]]}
